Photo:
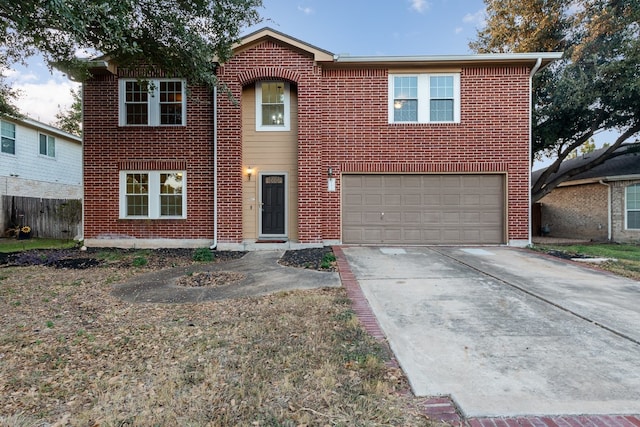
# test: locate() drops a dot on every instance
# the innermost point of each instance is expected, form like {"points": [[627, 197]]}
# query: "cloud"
{"points": [[478, 18], [306, 10], [41, 101], [419, 6], [458, 30]]}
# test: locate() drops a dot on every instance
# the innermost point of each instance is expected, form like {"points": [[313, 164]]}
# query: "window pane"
{"points": [[137, 205], [137, 114], [441, 110], [8, 130], [405, 87], [171, 103], [170, 114], [405, 111], [8, 145], [171, 185], [633, 196], [137, 183], [43, 144], [136, 93], [441, 86], [273, 93], [273, 104], [273, 115], [51, 146], [633, 220]]}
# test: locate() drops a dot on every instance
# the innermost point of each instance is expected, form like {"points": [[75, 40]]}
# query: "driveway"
{"points": [[504, 331]]}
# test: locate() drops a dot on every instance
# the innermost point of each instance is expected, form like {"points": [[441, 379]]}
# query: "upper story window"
{"points": [[8, 136], [153, 103], [153, 194], [273, 106], [47, 145], [633, 207], [424, 98]]}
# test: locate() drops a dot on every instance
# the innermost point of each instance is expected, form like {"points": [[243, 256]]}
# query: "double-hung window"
{"points": [[8, 137], [153, 194], [153, 103], [273, 106], [47, 145], [424, 98], [633, 207]]}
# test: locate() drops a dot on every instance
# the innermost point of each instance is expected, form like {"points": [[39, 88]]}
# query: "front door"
{"points": [[273, 215]]}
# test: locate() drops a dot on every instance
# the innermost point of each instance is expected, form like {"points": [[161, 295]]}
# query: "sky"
{"points": [[355, 27]]}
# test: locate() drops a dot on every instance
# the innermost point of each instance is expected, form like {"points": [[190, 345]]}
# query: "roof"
{"points": [[34, 124], [534, 60], [624, 166]]}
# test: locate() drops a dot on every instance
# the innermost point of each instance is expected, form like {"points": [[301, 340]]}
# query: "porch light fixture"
{"points": [[249, 172], [330, 172]]}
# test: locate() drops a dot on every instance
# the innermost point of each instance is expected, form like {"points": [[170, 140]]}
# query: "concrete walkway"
{"points": [[263, 275], [505, 332]]}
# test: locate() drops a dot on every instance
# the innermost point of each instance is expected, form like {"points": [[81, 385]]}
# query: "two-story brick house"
{"points": [[308, 148]]}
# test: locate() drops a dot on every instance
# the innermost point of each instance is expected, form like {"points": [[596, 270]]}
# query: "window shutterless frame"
{"points": [[153, 194], [632, 205], [156, 102], [424, 98], [273, 106]]}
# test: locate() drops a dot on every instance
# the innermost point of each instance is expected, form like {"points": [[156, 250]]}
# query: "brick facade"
{"points": [[578, 212], [342, 124], [589, 211]]}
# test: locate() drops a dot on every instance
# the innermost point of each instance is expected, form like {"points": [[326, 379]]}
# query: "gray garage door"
{"points": [[423, 209]]}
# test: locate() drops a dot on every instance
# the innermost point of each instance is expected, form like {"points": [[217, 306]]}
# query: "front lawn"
{"points": [[72, 354], [625, 257]]}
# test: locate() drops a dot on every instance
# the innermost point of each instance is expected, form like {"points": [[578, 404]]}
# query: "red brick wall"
{"points": [[109, 148], [342, 124]]}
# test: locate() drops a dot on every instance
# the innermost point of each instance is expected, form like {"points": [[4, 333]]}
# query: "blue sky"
{"points": [[355, 27]]}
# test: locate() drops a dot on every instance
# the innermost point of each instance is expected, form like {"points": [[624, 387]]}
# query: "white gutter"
{"points": [[608, 208], [215, 168], [534, 70], [492, 57]]}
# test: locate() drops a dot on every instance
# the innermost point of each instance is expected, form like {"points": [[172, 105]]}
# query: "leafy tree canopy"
{"points": [[596, 87], [71, 119], [181, 37]]}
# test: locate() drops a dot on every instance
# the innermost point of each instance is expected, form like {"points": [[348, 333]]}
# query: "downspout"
{"points": [[608, 208], [215, 168], [534, 70]]}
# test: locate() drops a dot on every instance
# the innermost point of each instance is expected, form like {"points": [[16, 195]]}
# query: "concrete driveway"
{"points": [[505, 331]]}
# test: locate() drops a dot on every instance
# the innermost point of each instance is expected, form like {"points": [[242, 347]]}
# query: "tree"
{"points": [[71, 120], [180, 37], [596, 86]]}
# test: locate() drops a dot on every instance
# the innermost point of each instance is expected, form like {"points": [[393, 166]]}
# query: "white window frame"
{"points": [[153, 194], [287, 109], [424, 98], [13, 138], [49, 139], [626, 208], [153, 102]]}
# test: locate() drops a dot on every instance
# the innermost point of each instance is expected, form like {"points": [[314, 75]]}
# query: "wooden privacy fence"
{"points": [[49, 218]]}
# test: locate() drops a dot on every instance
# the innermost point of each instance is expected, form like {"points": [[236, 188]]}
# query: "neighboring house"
{"points": [[600, 204], [38, 161], [305, 148]]}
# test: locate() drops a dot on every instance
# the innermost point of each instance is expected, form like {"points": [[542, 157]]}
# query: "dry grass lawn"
{"points": [[71, 354]]}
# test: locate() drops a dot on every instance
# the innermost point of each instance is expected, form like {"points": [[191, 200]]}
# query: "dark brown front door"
{"points": [[273, 205]]}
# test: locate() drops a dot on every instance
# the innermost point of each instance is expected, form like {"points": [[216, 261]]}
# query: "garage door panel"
{"points": [[423, 209]]}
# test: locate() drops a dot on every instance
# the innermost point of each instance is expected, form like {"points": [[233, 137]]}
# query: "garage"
{"points": [[423, 209]]}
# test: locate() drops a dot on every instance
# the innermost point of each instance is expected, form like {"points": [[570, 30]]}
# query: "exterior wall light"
{"points": [[249, 172]]}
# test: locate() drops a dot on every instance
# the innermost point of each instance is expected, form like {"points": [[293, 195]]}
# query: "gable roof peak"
{"points": [[265, 33]]}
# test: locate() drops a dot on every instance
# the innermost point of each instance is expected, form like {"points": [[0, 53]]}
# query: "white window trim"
{"points": [[153, 102], [627, 210], [154, 194], [424, 104], [46, 155], [287, 110]]}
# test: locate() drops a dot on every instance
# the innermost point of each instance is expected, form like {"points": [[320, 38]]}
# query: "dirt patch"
{"points": [[210, 279], [313, 258]]}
